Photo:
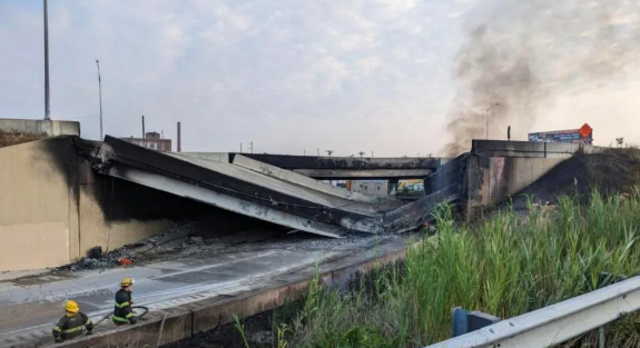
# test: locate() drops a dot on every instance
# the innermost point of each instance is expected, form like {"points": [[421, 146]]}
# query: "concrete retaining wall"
{"points": [[529, 149], [50, 127], [36, 208], [95, 227], [494, 180], [499, 169], [49, 211]]}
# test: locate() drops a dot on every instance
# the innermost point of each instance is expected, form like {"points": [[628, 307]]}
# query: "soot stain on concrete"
{"points": [[120, 200]]}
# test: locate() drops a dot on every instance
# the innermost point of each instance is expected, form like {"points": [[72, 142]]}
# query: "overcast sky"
{"points": [[370, 75]]}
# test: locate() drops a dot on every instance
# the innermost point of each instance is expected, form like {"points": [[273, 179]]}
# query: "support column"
{"points": [[391, 185]]}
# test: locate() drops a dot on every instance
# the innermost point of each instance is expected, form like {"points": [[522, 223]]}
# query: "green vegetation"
{"points": [[509, 265]]}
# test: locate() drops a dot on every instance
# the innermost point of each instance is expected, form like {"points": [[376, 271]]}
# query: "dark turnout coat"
{"points": [[122, 313], [71, 326]]}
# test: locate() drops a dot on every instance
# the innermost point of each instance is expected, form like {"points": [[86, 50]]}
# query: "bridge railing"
{"points": [[557, 323]]}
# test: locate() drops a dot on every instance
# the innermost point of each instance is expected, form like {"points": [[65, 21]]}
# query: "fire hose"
{"points": [[143, 311]]}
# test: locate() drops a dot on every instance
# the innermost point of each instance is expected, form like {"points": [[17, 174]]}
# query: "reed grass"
{"points": [[506, 266]]}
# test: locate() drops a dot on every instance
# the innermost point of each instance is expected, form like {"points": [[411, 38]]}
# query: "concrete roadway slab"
{"points": [[31, 306]]}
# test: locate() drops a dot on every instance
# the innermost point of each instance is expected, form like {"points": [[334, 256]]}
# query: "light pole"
{"points": [[47, 108], [100, 95], [489, 109]]}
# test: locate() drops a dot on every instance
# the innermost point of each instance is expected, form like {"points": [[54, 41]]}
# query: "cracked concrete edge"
{"points": [[187, 320]]}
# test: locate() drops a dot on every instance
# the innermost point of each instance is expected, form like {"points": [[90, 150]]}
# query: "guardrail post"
{"points": [[601, 338], [605, 279], [463, 321], [459, 323]]}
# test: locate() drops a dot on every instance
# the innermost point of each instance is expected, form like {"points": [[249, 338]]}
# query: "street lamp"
{"points": [[489, 109], [47, 108], [100, 95]]}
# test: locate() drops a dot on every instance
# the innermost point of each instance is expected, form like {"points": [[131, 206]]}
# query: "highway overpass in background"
{"points": [[345, 168]]}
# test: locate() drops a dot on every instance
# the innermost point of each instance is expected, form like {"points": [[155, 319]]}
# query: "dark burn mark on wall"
{"points": [[472, 187], [504, 174], [121, 200], [63, 160], [127, 154]]}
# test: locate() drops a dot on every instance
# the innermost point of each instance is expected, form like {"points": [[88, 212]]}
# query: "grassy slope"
{"points": [[15, 138], [507, 266]]}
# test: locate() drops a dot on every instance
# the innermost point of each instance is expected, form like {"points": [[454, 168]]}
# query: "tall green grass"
{"points": [[509, 265]]}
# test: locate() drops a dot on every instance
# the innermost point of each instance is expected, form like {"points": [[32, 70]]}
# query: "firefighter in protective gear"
{"points": [[122, 313], [71, 325]]}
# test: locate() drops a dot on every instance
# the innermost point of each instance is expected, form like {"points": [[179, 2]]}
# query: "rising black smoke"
{"points": [[521, 54]]}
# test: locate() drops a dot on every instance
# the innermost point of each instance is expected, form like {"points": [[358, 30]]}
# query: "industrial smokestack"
{"points": [[179, 137], [143, 133]]}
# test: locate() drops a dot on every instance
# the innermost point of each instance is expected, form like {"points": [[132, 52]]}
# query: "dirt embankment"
{"points": [[611, 172], [15, 138]]}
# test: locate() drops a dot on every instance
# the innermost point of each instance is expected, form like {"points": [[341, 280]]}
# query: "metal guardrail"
{"points": [[557, 323]]}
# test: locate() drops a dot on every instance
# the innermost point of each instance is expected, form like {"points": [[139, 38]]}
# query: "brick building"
{"points": [[152, 140]]}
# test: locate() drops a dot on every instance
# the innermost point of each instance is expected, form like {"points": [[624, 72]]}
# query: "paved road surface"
{"points": [[31, 306]]}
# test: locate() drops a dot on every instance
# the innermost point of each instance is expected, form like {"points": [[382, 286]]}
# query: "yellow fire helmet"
{"points": [[71, 306], [127, 282]]}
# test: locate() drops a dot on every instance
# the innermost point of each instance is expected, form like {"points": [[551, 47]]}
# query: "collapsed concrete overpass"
{"points": [[63, 196], [246, 186], [202, 293]]}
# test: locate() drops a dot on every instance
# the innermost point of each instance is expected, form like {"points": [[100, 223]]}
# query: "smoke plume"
{"points": [[521, 54]]}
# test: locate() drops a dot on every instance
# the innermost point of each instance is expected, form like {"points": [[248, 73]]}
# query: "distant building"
{"points": [[152, 140], [369, 187]]}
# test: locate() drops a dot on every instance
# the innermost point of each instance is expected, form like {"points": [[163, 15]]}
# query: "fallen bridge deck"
{"points": [[246, 188]]}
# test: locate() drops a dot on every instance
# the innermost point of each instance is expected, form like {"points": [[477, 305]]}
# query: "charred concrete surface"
{"points": [[286, 201], [195, 294], [56, 207], [117, 199]]}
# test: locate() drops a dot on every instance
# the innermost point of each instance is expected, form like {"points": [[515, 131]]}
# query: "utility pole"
{"points": [[100, 95], [251, 147], [361, 153], [489, 109], [143, 133], [47, 107]]}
